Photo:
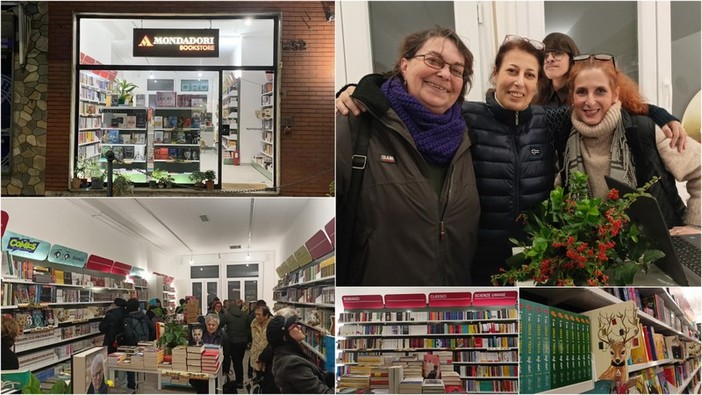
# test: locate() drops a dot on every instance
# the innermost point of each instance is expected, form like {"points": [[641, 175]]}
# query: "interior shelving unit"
{"points": [[307, 284], [478, 330], [177, 139], [675, 323], [124, 131], [230, 117], [263, 161], [92, 98]]}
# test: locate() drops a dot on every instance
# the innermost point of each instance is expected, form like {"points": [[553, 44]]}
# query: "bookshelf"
{"points": [[306, 283], [263, 161], [230, 118], [471, 334], [177, 138], [124, 131], [92, 99], [663, 346], [59, 308]]}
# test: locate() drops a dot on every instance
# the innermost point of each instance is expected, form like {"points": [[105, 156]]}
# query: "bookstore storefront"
{"points": [[177, 99]]}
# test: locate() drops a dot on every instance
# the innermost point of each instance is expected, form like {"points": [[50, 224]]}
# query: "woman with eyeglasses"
{"points": [[512, 147], [560, 49], [293, 370], [612, 137], [416, 215]]}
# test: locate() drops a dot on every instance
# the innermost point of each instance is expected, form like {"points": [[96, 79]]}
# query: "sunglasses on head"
{"points": [[538, 45], [605, 57]]}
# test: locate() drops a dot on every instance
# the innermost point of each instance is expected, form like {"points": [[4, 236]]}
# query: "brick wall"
{"points": [[307, 87]]}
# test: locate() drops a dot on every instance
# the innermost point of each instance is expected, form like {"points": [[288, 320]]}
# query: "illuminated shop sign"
{"points": [[200, 43]]}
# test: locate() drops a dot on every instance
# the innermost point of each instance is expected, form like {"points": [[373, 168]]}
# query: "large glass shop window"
{"points": [[172, 98]]}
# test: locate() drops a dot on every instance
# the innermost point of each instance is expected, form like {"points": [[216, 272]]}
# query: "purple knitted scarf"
{"points": [[437, 136]]}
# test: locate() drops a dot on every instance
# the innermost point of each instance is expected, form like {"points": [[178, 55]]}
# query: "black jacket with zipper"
{"points": [[513, 157], [405, 233]]}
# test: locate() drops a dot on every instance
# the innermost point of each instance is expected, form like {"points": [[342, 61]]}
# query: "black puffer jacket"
{"points": [[406, 233], [514, 164]]}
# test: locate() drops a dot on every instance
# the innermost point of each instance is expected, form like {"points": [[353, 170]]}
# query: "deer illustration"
{"points": [[617, 345]]}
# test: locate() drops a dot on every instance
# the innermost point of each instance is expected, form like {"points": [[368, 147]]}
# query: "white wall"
{"points": [[66, 222]]}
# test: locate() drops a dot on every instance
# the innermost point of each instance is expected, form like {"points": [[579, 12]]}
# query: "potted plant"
{"points": [[124, 89], [97, 175], [163, 178], [78, 172], [198, 178], [121, 185], [209, 179], [174, 334]]}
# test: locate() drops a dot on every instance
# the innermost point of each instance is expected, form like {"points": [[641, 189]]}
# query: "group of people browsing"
{"points": [[429, 186]]}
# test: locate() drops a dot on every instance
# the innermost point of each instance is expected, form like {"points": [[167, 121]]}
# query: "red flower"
{"points": [[613, 194]]}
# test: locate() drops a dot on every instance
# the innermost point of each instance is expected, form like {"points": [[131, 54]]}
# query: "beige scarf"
{"points": [[620, 165]]}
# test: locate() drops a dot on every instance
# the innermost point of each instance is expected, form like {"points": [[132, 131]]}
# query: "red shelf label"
{"points": [[405, 301], [362, 302], [121, 269], [319, 245], [330, 228], [99, 264], [449, 299], [495, 298]]}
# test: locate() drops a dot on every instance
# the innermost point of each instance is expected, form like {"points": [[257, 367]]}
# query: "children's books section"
{"points": [[436, 343], [307, 284], [628, 340]]}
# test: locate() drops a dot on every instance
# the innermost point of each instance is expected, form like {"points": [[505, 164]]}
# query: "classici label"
{"points": [[200, 43]]}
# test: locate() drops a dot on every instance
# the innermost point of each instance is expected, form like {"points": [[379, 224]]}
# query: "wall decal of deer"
{"points": [[615, 331]]}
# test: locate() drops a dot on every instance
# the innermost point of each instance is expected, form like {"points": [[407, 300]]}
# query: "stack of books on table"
{"points": [[115, 358], [411, 385], [356, 381], [210, 361], [452, 381], [195, 358], [179, 357], [395, 374], [433, 386], [137, 360], [153, 356]]}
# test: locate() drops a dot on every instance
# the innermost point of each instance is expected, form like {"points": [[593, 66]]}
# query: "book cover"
{"points": [[158, 136], [119, 154], [130, 122], [140, 101], [141, 120], [129, 152], [527, 343], [172, 153], [180, 137], [113, 136], [158, 121], [166, 137], [196, 123], [165, 99], [139, 153], [638, 348], [86, 366], [172, 122], [125, 138], [195, 154], [161, 153], [431, 366], [140, 138], [613, 329]]}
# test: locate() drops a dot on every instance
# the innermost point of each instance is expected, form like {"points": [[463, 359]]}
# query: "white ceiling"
{"points": [[162, 221]]}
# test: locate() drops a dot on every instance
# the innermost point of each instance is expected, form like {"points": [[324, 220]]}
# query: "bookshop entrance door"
{"points": [[205, 291]]}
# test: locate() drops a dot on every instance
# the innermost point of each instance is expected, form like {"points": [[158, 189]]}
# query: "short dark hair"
{"points": [[132, 305], [561, 42], [264, 310], [521, 45], [414, 41]]}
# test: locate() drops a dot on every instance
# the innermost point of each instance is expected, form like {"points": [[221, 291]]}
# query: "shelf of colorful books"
{"points": [[329, 279], [50, 356], [322, 305], [49, 342], [642, 366]]}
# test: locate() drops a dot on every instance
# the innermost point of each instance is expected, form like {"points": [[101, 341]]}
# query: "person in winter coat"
{"points": [[238, 331], [293, 371], [609, 139], [265, 364], [512, 150], [10, 331], [417, 210], [212, 335], [258, 335], [111, 324]]}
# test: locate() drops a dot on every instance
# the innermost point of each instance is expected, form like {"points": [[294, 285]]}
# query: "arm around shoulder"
{"points": [[685, 167]]}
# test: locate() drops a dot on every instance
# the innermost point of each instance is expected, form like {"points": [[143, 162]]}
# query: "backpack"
{"points": [[135, 330]]}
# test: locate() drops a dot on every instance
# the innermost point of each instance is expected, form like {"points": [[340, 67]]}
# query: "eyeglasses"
{"points": [[437, 63], [295, 325], [556, 54], [605, 57], [538, 45]]}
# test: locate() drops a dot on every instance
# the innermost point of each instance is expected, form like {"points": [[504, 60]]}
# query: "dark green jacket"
{"points": [[237, 325]]}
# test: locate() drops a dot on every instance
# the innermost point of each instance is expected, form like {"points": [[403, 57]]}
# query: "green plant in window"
{"points": [[124, 89]]}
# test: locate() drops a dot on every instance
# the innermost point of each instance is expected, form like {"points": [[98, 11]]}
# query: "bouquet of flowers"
{"points": [[575, 239]]}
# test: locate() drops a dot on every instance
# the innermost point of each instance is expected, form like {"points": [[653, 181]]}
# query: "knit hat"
{"points": [[120, 302], [277, 330], [132, 305], [153, 302]]}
